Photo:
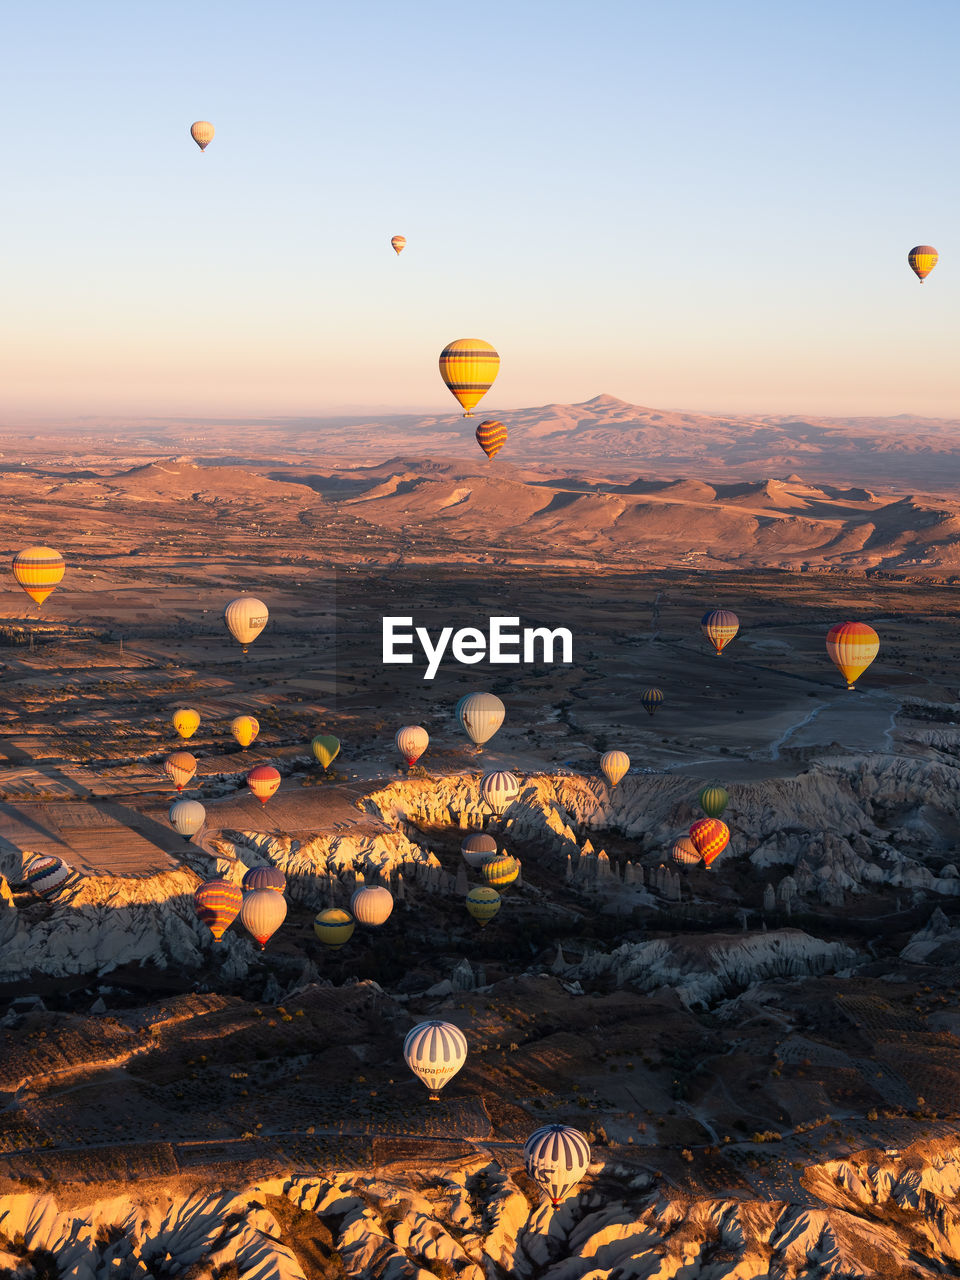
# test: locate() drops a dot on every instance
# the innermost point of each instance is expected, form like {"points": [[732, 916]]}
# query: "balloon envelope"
{"points": [[47, 875], [491, 437], [325, 748], [435, 1052], [650, 699], [262, 913], [264, 878], [709, 837], [713, 800], [477, 848], [469, 368], [372, 905], [334, 927], [217, 904], [922, 258], [180, 767], [500, 870], [483, 903], [187, 817], [246, 616], [556, 1158], [719, 626], [202, 133], [399, 243], [38, 570], [614, 765], [263, 781], [186, 721], [684, 852], [412, 741], [244, 729], [852, 646], [499, 790], [480, 716]]}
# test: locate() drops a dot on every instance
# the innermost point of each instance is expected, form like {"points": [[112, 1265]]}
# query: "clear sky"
{"points": [[695, 204]]}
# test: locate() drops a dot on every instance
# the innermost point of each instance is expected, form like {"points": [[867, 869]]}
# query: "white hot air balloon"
{"points": [[412, 741], [477, 848], [262, 914], [187, 817], [499, 790], [556, 1158], [371, 905], [480, 716], [246, 616], [435, 1052], [614, 766]]}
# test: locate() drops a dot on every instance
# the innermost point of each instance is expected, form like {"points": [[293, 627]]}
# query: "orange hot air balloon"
{"points": [[852, 646], [180, 768], [201, 131], [922, 258], [709, 837], [38, 570], [491, 436], [263, 781], [218, 903], [398, 243], [469, 368], [719, 626]]}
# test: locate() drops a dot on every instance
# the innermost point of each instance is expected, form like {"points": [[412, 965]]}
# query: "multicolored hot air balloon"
{"points": [[500, 870], [713, 800], [477, 848], [180, 767], [325, 748], [262, 913], [435, 1052], [483, 903], [922, 258], [852, 646], [271, 878], [614, 765], [719, 626], [412, 741], [480, 716], [334, 927], [38, 570], [187, 817], [498, 790], [469, 367], [650, 699], [399, 243], [263, 781], [218, 903], [684, 852], [186, 721], [556, 1158], [491, 437], [246, 616], [372, 904], [245, 729], [47, 876], [201, 131], [709, 837]]}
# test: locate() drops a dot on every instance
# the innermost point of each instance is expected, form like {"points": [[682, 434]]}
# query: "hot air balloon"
{"points": [[713, 800], [922, 258], [684, 852], [38, 570], [246, 616], [500, 870], [650, 699], [187, 817], [271, 878], [614, 765], [180, 768], [399, 243], [499, 790], [334, 927], [47, 876], [709, 837], [852, 646], [469, 368], [263, 781], [435, 1052], [491, 436], [480, 716], [483, 903], [325, 748], [244, 729], [719, 626], [217, 904], [477, 848], [202, 133], [412, 742], [262, 914], [556, 1158], [371, 905], [186, 721]]}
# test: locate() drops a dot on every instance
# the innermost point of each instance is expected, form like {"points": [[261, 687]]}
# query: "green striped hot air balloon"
{"points": [[325, 748], [713, 800], [500, 870]]}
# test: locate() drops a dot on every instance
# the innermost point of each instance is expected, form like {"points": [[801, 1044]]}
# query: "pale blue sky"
{"points": [[685, 204]]}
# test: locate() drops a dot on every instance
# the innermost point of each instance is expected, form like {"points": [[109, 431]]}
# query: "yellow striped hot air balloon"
{"points": [[922, 258], [38, 570], [491, 436], [180, 768], [334, 927], [186, 721], [244, 729], [201, 131], [325, 748], [399, 243], [614, 765], [684, 852], [218, 904], [852, 646], [713, 800], [500, 870], [483, 903], [720, 626], [469, 367]]}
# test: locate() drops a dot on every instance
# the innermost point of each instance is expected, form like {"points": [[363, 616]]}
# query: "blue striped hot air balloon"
{"points": [[48, 876]]}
